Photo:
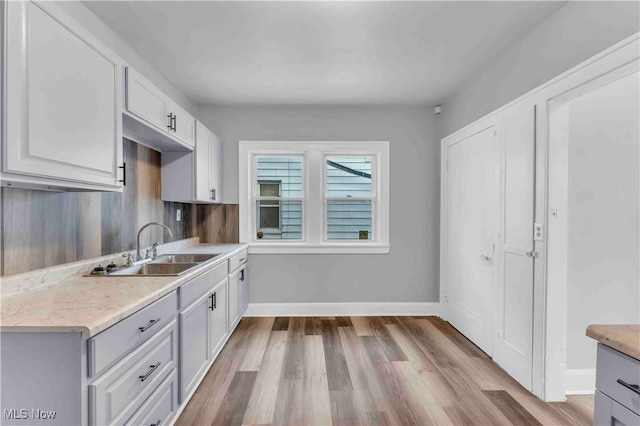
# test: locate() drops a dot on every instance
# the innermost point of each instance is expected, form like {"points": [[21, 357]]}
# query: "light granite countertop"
{"points": [[89, 305], [624, 338]]}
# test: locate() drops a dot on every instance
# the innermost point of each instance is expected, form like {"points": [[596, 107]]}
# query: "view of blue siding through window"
{"points": [[277, 179], [349, 198]]}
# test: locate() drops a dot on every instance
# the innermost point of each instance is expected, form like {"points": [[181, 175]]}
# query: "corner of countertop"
{"points": [[624, 338]]}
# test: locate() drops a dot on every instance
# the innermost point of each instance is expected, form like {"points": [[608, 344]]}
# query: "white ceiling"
{"points": [[320, 52]]}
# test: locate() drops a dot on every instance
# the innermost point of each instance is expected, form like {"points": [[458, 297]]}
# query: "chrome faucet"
{"points": [[138, 254]]}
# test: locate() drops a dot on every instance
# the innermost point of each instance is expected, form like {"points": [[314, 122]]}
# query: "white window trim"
{"points": [[313, 232]]}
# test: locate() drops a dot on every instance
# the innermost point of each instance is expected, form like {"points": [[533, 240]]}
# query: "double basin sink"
{"points": [[165, 265]]}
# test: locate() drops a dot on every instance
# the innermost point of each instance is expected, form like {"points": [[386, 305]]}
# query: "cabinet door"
{"points": [[234, 284], [63, 92], [145, 100], [183, 123], [608, 412], [218, 318], [194, 343], [215, 169], [243, 291], [202, 163]]}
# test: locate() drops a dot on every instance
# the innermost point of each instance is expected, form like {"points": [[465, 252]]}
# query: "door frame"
{"points": [[549, 339], [558, 229]]}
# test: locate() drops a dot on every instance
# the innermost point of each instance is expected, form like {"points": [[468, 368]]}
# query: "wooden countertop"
{"points": [[89, 305], [623, 338]]}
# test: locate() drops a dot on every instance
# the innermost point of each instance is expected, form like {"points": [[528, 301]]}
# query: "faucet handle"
{"points": [[153, 250], [129, 259]]}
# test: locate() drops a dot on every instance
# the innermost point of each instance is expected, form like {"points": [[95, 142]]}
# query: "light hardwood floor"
{"points": [[365, 371]]}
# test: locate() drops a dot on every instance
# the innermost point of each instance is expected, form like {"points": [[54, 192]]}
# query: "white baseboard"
{"points": [[580, 382], [341, 309]]}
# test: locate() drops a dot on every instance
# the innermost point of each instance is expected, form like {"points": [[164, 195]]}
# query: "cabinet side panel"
{"points": [[42, 379]]}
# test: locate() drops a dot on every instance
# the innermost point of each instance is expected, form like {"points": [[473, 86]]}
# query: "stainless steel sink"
{"points": [[184, 258], [169, 269]]}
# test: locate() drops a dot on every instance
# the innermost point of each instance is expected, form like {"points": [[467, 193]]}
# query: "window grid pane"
{"points": [[282, 221], [349, 198], [349, 219], [285, 171], [279, 192]]}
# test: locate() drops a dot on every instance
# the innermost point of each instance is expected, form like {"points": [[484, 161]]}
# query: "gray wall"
{"points": [[109, 38], [409, 273], [603, 242], [573, 34]]}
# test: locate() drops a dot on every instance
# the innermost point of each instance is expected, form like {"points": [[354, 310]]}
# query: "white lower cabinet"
{"points": [[608, 412], [219, 329], [161, 407], [194, 344], [141, 370], [238, 288], [234, 287], [203, 330], [120, 392], [617, 399], [243, 290]]}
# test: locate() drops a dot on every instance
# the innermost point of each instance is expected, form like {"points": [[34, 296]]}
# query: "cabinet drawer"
{"points": [[238, 260], [161, 406], [112, 344], [613, 371], [122, 390], [200, 285]]}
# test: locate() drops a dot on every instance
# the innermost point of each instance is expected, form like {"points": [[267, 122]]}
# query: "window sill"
{"points": [[288, 248]]}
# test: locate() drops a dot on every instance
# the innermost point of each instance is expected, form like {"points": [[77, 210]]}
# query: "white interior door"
{"points": [[471, 183], [513, 344]]}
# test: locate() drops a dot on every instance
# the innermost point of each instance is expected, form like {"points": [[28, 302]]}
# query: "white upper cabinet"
{"points": [[183, 124], [145, 101], [203, 163], [194, 177], [215, 169], [63, 103], [153, 119]]}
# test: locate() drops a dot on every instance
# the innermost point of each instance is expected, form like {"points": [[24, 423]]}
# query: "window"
{"points": [[349, 198], [278, 197], [314, 197]]}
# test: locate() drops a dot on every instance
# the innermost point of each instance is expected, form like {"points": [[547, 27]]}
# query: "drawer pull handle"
{"points": [[243, 259], [157, 423], [151, 323], [632, 388], [152, 368]]}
